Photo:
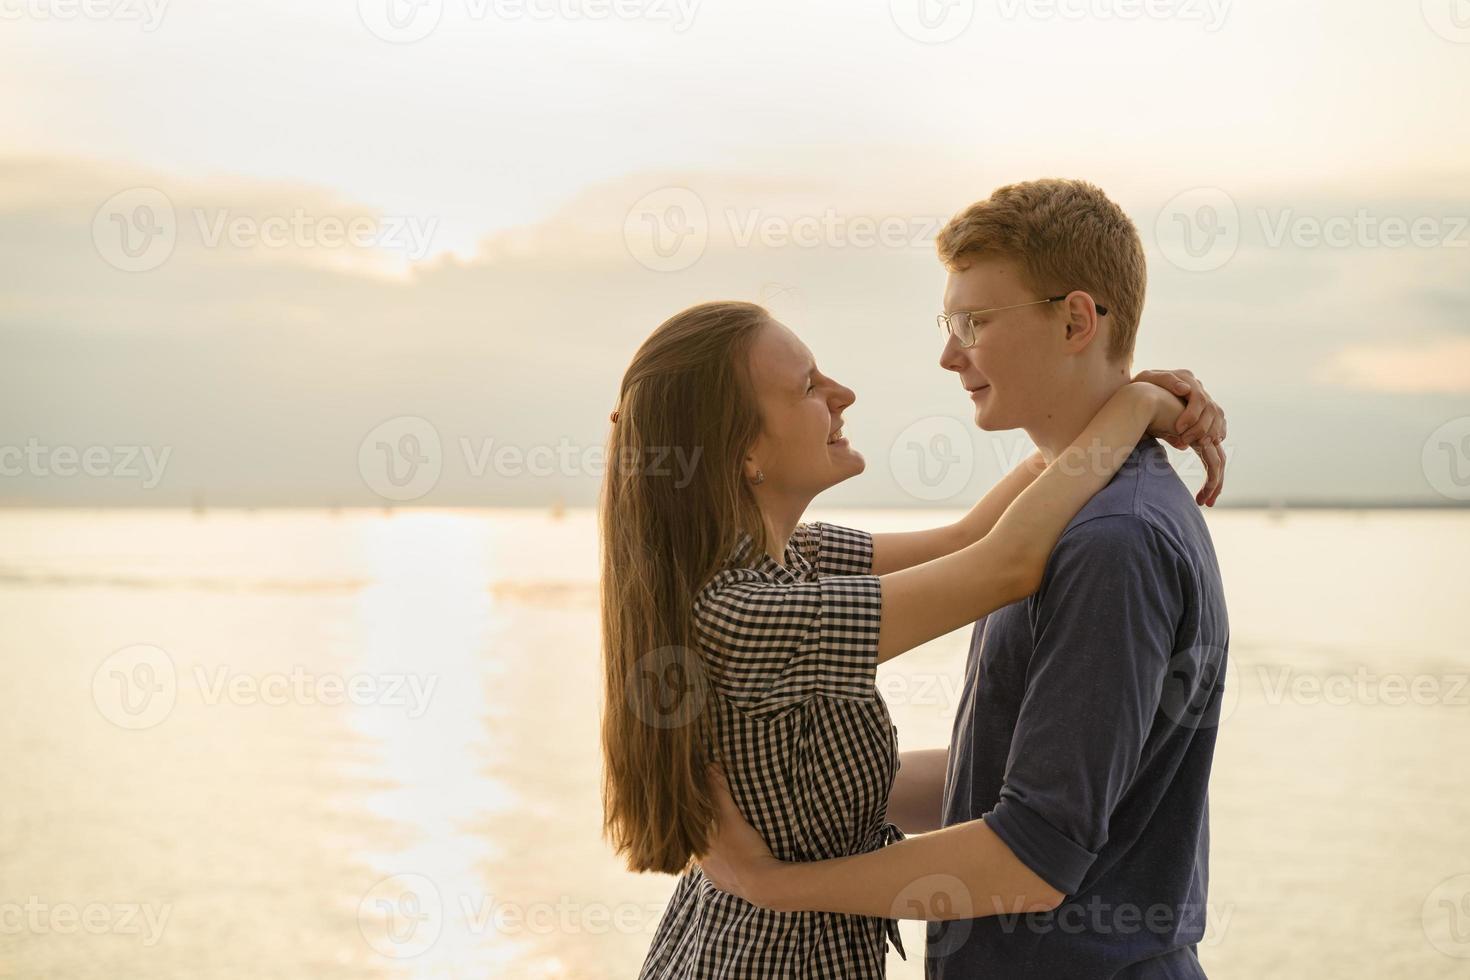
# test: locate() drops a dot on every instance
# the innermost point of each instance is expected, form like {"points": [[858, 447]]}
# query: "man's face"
{"points": [[1015, 365]]}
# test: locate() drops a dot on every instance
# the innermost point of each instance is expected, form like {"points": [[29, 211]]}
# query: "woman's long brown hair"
{"points": [[674, 500]]}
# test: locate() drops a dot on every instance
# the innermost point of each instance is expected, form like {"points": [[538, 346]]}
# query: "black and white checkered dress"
{"points": [[809, 749]]}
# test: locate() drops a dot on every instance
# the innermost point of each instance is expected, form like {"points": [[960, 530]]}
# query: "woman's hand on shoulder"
{"points": [[1191, 420]]}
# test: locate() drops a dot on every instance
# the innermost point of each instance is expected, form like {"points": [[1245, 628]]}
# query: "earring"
{"points": [[760, 477]]}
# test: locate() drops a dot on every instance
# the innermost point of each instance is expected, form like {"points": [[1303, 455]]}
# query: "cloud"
{"points": [[262, 368], [1439, 366]]}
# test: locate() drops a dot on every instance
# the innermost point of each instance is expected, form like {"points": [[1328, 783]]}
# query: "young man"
{"points": [[1087, 726], [1073, 799]]}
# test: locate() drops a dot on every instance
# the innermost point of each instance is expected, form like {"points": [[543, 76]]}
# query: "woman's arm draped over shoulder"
{"points": [[1199, 425], [930, 600], [898, 550]]}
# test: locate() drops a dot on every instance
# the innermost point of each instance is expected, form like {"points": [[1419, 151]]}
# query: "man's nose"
{"points": [[949, 357]]}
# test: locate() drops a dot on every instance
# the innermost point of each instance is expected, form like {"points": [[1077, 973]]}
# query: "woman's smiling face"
{"points": [[801, 449]]}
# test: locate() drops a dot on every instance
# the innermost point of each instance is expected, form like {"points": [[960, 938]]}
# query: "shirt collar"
{"points": [[746, 554]]}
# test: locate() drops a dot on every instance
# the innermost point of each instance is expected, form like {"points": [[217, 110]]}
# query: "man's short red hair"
{"points": [[1065, 235]]}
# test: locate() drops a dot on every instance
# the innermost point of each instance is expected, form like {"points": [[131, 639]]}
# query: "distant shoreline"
{"points": [[1247, 505]]}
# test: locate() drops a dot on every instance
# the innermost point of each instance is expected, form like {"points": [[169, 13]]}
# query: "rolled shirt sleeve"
{"points": [[770, 644], [834, 550], [1104, 625]]}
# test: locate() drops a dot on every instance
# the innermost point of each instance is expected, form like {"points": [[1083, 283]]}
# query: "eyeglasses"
{"points": [[963, 327]]}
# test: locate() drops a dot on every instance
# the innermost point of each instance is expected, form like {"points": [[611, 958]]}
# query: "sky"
{"points": [[400, 251]]}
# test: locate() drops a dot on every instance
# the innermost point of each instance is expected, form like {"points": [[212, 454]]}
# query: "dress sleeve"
{"points": [[772, 644], [834, 550]]}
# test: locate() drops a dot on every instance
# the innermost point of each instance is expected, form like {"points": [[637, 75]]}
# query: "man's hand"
{"points": [[738, 860], [1200, 426]]}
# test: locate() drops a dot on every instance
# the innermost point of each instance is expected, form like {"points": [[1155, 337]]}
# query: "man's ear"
{"points": [[1083, 325]]}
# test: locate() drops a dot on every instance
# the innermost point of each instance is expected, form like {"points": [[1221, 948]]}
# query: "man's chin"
{"points": [[994, 421]]}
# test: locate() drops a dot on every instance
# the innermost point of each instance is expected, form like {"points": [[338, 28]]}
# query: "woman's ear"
{"points": [[752, 470]]}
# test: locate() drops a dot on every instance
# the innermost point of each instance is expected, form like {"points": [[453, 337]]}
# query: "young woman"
{"points": [[735, 635]]}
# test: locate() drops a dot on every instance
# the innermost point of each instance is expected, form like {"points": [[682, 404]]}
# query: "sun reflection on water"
{"points": [[429, 617]]}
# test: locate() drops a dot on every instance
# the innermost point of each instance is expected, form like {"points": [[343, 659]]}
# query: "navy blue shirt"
{"points": [[1084, 738]]}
